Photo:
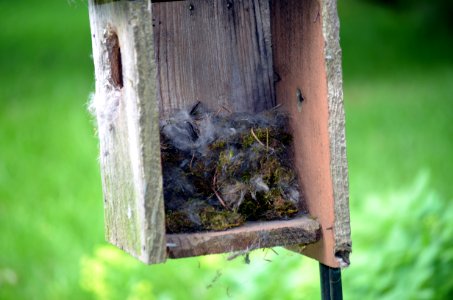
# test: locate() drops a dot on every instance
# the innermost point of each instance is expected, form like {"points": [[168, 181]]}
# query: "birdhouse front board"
{"points": [[244, 56]]}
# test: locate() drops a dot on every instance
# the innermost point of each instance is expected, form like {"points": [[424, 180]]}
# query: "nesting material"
{"points": [[221, 169]]}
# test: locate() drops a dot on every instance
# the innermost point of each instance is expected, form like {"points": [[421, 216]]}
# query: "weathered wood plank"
{"points": [[128, 125], [338, 159], [251, 236], [307, 58], [214, 51]]}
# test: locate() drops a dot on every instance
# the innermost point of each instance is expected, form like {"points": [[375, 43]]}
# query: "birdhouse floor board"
{"points": [[253, 235]]}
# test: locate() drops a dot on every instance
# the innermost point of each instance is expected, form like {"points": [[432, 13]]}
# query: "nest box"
{"points": [[153, 57]]}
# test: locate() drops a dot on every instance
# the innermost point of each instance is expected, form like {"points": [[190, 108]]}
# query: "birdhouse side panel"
{"points": [[128, 126], [338, 159], [307, 58]]}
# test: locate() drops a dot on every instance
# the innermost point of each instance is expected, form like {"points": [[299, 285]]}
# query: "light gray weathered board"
{"points": [[214, 51], [253, 235], [128, 125]]}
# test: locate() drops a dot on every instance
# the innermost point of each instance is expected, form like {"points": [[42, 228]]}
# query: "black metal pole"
{"points": [[331, 288]]}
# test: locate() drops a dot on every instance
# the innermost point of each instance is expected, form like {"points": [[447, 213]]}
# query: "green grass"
{"points": [[400, 139], [50, 213]]}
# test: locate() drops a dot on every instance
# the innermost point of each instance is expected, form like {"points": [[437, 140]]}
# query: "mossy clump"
{"points": [[197, 215], [221, 170], [214, 219]]}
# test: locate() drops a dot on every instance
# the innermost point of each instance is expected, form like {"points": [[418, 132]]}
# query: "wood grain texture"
{"points": [[128, 127], [220, 54], [216, 51], [303, 61], [338, 159], [251, 236]]}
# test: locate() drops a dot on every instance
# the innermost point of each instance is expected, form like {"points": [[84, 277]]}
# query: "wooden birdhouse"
{"points": [[153, 57]]}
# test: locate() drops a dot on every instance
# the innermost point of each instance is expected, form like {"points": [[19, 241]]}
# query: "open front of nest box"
{"points": [[247, 55]]}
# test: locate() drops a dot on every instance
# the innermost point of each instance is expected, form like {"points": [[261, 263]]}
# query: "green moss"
{"points": [[247, 140], [279, 207], [224, 159], [218, 145], [269, 206], [179, 221], [270, 165], [284, 175], [213, 219], [230, 165], [250, 209], [261, 135]]}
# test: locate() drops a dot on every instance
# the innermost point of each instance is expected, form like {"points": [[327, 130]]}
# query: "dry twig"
{"points": [[256, 138], [214, 183]]}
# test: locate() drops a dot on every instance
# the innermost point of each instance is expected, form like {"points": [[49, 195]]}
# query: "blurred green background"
{"points": [[398, 90]]}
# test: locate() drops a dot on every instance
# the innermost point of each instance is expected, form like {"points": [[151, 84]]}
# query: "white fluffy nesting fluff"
{"points": [[104, 106]]}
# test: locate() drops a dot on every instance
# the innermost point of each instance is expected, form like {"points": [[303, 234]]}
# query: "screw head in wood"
{"points": [[300, 99]]}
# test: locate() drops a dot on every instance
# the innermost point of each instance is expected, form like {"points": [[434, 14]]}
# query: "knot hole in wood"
{"points": [[114, 57]]}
